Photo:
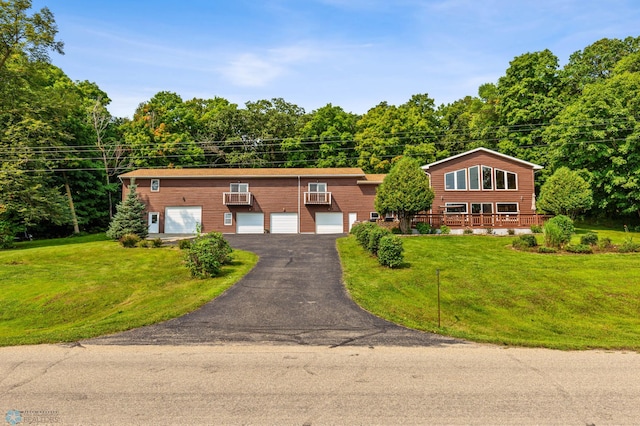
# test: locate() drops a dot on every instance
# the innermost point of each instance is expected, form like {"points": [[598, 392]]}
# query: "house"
{"points": [[482, 188], [314, 200]]}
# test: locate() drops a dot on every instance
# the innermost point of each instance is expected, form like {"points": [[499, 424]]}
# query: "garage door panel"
{"points": [[284, 223], [329, 223], [182, 220], [249, 223]]}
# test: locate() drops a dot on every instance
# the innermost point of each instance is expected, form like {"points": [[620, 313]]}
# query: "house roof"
{"points": [[222, 173], [488, 151], [372, 179]]}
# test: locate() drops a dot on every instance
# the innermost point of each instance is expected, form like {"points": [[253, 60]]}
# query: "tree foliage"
{"points": [[404, 191], [565, 193], [129, 217]]}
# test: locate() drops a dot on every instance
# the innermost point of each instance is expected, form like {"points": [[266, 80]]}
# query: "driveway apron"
{"points": [[294, 295]]}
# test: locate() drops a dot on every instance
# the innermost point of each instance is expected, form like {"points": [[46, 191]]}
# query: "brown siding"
{"points": [[522, 196], [270, 195]]}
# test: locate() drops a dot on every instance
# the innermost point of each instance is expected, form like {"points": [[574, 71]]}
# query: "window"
{"points": [[484, 208], [456, 180], [507, 207], [487, 183], [228, 219], [155, 185], [455, 208], [373, 216], [317, 187], [239, 187], [474, 178], [505, 180]]}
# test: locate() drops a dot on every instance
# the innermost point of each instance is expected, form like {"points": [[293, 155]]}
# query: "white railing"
{"points": [[236, 198], [317, 198]]}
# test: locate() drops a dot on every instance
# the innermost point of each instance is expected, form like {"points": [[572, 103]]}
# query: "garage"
{"points": [[182, 220], [329, 223], [284, 223], [249, 223]]}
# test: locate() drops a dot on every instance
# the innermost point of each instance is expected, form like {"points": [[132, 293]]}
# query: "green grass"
{"points": [[77, 288], [492, 293]]}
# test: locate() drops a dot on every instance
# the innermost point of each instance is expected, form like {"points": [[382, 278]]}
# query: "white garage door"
{"points": [[329, 223], [249, 223], [284, 223], [182, 220]]}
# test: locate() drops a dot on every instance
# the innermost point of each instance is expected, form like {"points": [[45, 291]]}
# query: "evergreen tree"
{"points": [[129, 217]]}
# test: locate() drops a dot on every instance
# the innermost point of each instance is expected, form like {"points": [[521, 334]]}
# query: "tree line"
{"points": [[61, 150]]}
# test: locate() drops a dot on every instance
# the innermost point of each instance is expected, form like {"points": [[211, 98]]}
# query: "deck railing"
{"points": [[317, 198], [236, 198], [496, 220]]}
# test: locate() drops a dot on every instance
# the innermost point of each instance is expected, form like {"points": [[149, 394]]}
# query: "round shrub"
{"points": [[374, 238], [525, 241], [536, 229], [444, 229], [129, 240], [423, 228], [184, 244], [391, 251], [558, 231], [361, 231], [589, 239], [579, 248], [207, 254], [545, 249]]}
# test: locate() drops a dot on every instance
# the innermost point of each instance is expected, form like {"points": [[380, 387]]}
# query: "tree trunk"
{"points": [[74, 218]]}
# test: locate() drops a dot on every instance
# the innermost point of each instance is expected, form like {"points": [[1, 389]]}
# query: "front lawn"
{"points": [[77, 288], [492, 293]]}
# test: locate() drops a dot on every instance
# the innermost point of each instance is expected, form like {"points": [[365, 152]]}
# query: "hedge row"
{"points": [[380, 242]]}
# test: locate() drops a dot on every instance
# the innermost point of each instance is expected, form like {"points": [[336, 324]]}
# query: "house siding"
{"points": [[522, 195], [270, 195]]}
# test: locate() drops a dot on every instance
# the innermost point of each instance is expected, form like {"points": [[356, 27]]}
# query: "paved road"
{"points": [[315, 385], [294, 295]]}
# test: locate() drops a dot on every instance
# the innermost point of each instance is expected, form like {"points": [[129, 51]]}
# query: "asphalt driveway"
{"points": [[294, 295]]}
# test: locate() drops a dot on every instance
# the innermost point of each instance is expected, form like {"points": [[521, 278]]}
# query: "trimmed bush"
{"points": [[144, 244], [525, 241], [536, 229], [207, 254], [589, 239], [374, 238], [605, 243], [129, 240], [362, 231], [156, 242], [444, 229], [579, 248], [545, 249], [184, 244], [391, 251], [511, 231], [423, 228]]}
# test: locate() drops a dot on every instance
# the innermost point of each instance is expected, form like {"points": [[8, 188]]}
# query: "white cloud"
{"points": [[248, 70]]}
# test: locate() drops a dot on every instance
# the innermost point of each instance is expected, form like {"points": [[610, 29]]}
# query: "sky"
{"points": [[349, 53]]}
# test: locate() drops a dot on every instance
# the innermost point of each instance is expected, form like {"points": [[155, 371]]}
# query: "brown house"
{"points": [[327, 200], [483, 188]]}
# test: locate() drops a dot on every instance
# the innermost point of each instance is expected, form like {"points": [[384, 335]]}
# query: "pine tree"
{"points": [[129, 217]]}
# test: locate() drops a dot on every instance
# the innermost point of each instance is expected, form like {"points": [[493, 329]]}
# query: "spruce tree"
{"points": [[129, 217]]}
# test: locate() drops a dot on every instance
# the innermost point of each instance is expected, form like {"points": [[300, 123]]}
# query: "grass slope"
{"points": [[76, 288], [492, 293]]}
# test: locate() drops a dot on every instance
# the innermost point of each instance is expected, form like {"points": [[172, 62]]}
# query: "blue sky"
{"points": [[350, 53]]}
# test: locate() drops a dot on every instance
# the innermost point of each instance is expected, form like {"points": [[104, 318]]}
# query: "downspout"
{"points": [[299, 204]]}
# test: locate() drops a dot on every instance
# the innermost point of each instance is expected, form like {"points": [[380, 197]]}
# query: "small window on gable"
{"points": [[474, 178], [317, 187], [228, 219], [155, 185], [505, 180], [239, 187], [487, 182], [456, 180]]}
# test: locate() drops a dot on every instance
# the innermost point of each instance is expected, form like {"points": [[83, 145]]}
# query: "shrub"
{"points": [[605, 243], [557, 231], [374, 238], [579, 248], [391, 251], [144, 244], [527, 240], [7, 235], [511, 231], [423, 228], [444, 229], [362, 231], [629, 246], [589, 239], [207, 254], [544, 249], [489, 231], [536, 229], [129, 240], [156, 242], [396, 231], [467, 231], [184, 244]]}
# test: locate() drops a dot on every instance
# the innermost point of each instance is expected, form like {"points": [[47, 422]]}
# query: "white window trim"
{"points": [[317, 191], [481, 203], [151, 185], [482, 177], [228, 219], [452, 204], [374, 216], [479, 178], [455, 180], [506, 181], [239, 184], [507, 213]]}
